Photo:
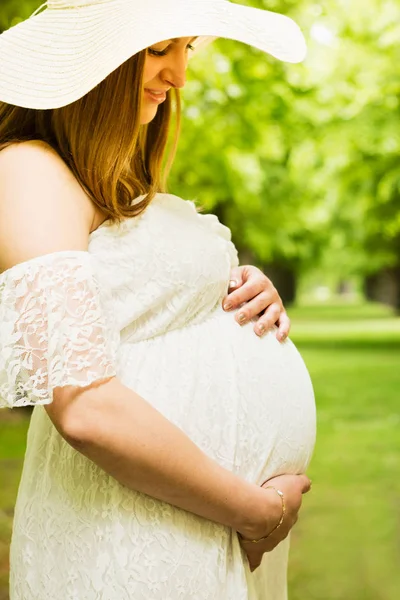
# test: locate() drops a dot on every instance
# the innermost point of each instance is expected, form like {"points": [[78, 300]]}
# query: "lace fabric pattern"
{"points": [[55, 328], [166, 269]]}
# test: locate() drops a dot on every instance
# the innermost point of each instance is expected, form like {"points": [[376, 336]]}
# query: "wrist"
{"points": [[263, 516]]}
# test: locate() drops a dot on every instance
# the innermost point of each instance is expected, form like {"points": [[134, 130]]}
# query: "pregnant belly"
{"points": [[246, 401]]}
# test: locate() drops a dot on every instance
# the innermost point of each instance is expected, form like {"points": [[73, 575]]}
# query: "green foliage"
{"points": [[358, 139], [301, 161], [14, 11]]}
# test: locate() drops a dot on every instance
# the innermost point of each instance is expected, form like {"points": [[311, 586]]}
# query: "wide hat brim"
{"points": [[57, 56]]}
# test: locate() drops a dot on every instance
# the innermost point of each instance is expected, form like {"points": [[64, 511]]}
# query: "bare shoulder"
{"points": [[33, 149], [43, 208], [34, 159]]}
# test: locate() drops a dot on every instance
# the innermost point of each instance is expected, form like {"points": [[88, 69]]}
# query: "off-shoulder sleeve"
{"points": [[224, 232], [57, 328]]}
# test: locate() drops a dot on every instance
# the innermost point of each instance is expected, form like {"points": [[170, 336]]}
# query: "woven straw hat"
{"points": [[68, 47]]}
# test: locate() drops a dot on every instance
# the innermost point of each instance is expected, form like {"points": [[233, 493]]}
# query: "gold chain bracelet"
{"points": [[280, 494]]}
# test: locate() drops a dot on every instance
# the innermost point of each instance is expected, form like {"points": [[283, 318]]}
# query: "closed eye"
{"points": [[165, 52], [156, 52]]}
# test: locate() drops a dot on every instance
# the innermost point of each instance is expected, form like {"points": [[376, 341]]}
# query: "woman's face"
{"points": [[165, 68]]}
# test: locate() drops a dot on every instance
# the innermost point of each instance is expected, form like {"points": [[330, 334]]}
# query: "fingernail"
{"points": [[233, 283], [227, 306], [261, 329], [241, 317], [282, 336]]}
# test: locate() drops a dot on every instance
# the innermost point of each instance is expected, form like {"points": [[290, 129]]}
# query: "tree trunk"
{"points": [[284, 278], [384, 287]]}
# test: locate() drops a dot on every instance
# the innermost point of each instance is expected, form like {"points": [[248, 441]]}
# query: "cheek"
{"points": [[151, 70]]}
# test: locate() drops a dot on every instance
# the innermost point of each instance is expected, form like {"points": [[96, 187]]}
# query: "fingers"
{"points": [[246, 293], [254, 557], [305, 484], [254, 561], [302, 480], [254, 307], [254, 566], [284, 326], [268, 319], [236, 278], [255, 295]]}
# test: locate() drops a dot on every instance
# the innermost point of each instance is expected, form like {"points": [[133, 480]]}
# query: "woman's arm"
{"points": [[124, 435]]}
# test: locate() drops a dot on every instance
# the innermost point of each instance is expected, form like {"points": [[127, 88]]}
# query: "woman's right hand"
{"points": [[293, 487]]}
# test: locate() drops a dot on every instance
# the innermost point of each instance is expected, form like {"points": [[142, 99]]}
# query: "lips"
{"points": [[156, 95]]}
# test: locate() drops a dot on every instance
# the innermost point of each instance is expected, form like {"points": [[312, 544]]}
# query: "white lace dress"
{"points": [[144, 303]]}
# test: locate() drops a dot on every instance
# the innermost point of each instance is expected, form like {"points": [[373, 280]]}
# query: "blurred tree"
{"points": [[360, 90], [14, 11]]}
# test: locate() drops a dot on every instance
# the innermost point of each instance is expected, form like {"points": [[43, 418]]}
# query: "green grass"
{"points": [[13, 429], [346, 546]]}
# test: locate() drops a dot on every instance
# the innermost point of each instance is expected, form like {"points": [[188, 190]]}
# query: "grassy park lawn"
{"points": [[346, 545]]}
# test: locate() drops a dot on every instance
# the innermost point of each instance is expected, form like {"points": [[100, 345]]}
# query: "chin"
{"points": [[147, 116]]}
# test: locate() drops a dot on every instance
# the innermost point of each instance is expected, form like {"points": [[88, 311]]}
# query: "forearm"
{"points": [[125, 436]]}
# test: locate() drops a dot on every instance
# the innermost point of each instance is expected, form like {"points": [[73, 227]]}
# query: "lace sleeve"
{"points": [[56, 328], [224, 232]]}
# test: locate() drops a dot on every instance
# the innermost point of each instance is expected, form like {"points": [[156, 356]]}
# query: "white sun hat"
{"points": [[61, 53]]}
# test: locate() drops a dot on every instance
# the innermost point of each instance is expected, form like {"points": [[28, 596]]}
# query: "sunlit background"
{"points": [[302, 162]]}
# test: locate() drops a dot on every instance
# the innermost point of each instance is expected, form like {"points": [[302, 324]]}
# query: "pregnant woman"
{"points": [[167, 447]]}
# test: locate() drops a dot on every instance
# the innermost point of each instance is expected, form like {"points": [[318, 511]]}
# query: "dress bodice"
{"points": [[165, 268]]}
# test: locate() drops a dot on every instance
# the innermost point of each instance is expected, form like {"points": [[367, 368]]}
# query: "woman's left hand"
{"points": [[252, 289]]}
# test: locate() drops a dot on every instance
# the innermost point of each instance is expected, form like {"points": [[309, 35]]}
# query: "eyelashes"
{"points": [[153, 52], [156, 52]]}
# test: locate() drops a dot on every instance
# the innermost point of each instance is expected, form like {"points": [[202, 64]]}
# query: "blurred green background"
{"points": [[302, 162]]}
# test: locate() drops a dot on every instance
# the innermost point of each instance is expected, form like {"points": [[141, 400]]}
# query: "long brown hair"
{"points": [[100, 138]]}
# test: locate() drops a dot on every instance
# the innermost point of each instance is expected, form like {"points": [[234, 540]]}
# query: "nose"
{"points": [[175, 72]]}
